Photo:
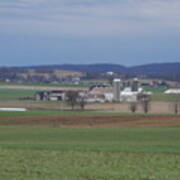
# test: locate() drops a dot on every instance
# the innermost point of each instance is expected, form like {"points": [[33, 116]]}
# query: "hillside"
{"points": [[156, 68], [66, 72], [89, 68]]}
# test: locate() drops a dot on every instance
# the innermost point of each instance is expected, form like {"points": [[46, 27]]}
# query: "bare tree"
{"points": [[72, 97], [176, 107], [145, 102], [82, 102], [176, 102], [146, 106], [133, 107]]}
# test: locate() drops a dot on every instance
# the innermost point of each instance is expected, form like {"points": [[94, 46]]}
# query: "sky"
{"points": [[127, 32]]}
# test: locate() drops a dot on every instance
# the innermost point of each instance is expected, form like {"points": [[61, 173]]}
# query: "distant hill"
{"points": [[156, 68], [161, 68], [65, 72], [90, 68]]}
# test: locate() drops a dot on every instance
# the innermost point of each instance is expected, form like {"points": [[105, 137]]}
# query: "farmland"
{"points": [[87, 119], [155, 90], [104, 142], [9, 97], [15, 94], [89, 153]]}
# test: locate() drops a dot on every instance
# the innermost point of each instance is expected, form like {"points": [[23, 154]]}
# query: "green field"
{"points": [[155, 90], [89, 153], [15, 94], [49, 113], [165, 97], [158, 94], [44, 113]]}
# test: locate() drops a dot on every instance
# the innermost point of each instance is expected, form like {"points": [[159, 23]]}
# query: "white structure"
{"points": [[108, 96], [100, 95], [135, 84], [50, 96], [127, 95], [14, 109], [110, 73], [172, 91], [116, 90]]}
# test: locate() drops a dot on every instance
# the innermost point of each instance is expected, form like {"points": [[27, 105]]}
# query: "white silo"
{"points": [[116, 90], [135, 85]]}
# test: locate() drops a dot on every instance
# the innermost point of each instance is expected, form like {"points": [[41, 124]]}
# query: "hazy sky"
{"points": [[126, 32]]}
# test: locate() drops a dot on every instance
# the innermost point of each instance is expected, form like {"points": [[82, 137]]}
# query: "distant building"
{"points": [[50, 96], [42, 96], [110, 73], [172, 91], [100, 93], [128, 94]]}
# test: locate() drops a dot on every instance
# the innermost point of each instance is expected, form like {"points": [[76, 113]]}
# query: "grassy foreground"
{"points": [[89, 153], [76, 165]]}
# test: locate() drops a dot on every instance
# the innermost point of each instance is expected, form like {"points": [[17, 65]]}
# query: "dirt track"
{"points": [[45, 88], [94, 120]]}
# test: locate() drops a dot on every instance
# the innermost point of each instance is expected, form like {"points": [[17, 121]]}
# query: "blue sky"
{"points": [[127, 32]]}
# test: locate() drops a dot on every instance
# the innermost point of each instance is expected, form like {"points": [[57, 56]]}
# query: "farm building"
{"points": [[117, 93], [172, 91], [127, 94], [101, 94], [50, 96]]}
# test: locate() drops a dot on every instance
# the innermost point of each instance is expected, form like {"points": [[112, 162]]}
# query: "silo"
{"points": [[135, 85], [116, 89]]}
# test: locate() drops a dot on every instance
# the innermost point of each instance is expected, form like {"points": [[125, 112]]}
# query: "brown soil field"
{"points": [[94, 120], [155, 107]]}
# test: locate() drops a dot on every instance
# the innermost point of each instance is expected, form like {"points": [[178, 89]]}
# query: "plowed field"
{"points": [[94, 120]]}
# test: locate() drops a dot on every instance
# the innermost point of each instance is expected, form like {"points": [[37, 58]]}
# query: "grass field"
{"points": [[89, 153], [43, 152], [15, 94], [158, 94], [48, 113], [165, 97], [33, 113], [155, 90]]}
